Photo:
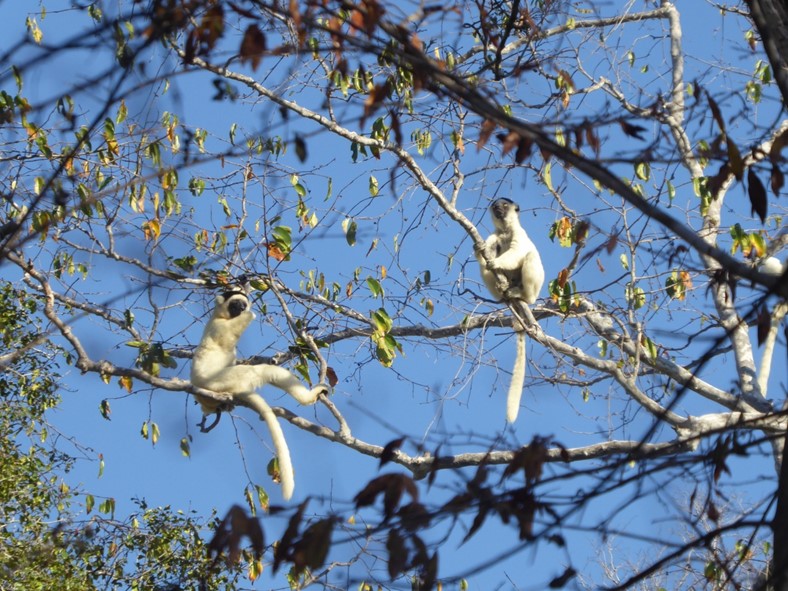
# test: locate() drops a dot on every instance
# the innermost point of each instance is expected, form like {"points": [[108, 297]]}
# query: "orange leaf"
{"points": [[126, 383], [563, 275], [484, 134], [274, 251], [510, 140]]}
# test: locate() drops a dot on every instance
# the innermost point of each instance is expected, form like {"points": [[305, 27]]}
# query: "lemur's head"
{"points": [[231, 303], [504, 213]]}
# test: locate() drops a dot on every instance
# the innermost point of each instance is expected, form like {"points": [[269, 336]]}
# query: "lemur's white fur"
{"points": [[773, 266], [214, 368], [512, 255]]}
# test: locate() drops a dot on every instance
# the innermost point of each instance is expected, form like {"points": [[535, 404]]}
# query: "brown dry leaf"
{"points": [[485, 132], [509, 140], [274, 251], [252, 46], [757, 193]]}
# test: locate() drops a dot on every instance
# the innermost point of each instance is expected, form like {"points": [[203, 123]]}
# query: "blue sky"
{"points": [[431, 393]]}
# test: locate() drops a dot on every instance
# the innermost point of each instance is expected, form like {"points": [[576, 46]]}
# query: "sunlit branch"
{"points": [[344, 428], [576, 24], [776, 320]]}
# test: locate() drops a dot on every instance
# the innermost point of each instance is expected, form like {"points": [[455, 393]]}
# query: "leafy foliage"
{"points": [[339, 157]]}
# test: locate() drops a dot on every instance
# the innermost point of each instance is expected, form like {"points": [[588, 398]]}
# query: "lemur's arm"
{"points": [[512, 258]]}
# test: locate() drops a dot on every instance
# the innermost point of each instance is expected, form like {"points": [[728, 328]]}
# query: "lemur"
{"points": [[512, 255], [214, 368]]}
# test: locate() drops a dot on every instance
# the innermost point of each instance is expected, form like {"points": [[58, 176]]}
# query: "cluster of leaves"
{"points": [[44, 542], [406, 549], [405, 521], [734, 164], [29, 468]]}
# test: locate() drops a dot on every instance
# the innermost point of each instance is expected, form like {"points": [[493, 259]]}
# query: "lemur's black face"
{"points": [[235, 302], [500, 208]]}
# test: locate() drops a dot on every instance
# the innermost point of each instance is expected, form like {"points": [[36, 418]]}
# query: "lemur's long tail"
{"points": [[256, 402], [518, 379]]}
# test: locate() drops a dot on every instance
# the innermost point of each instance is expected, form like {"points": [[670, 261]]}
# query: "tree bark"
{"points": [[779, 575], [771, 20]]}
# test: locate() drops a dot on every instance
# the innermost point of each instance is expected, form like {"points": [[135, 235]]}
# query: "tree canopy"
{"points": [[340, 158]]}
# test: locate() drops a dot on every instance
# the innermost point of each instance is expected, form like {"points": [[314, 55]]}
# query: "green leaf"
{"points": [[566, 298], [385, 349], [651, 347], [349, 227], [711, 571], [375, 287], [283, 238], [17, 77], [635, 296], [34, 30], [677, 283], [382, 321], [758, 242], [107, 507], [299, 188], [196, 186], [373, 186], [643, 171], [187, 264], [547, 175], [262, 497]]}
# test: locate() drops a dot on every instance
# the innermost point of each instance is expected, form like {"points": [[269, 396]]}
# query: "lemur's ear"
{"points": [[244, 283]]}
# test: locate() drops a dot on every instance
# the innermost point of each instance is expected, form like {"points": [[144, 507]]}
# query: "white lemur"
{"points": [[214, 368], [512, 254]]}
